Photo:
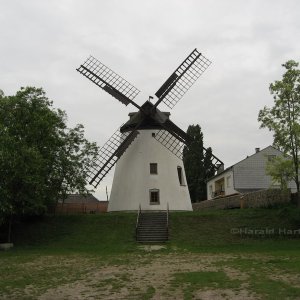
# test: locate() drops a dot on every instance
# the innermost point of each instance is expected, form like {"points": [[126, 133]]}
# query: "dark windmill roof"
{"points": [[77, 198], [151, 121]]}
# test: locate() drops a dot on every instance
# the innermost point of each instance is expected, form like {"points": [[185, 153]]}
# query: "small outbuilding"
{"points": [[76, 203]]}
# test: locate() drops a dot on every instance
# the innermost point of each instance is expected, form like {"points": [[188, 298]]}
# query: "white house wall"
{"points": [[250, 173], [228, 184], [132, 179]]}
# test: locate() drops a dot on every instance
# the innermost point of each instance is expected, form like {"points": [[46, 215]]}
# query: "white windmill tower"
{"points": [[148, 148]]}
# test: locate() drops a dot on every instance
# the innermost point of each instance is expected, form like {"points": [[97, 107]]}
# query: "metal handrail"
{"points": [[168, 219], [137, 220]]}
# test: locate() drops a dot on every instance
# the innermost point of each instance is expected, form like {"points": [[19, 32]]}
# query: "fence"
{"points": [[81, 208], [263, 198]]}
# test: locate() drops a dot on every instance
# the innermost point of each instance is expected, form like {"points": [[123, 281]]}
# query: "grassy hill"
{"points": [[211, 230], [96, 257]]}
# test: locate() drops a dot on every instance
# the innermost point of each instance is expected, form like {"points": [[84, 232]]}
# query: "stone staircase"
{"points": [[152, 227]]}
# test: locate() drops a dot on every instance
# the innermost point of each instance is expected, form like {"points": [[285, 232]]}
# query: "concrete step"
{"points": [[149, 237], [160, 237], [152, 227], [151, 232], [152, 240], [153, 219]]}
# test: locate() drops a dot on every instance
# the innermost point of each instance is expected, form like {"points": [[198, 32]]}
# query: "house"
{"points": [[79, 199], [246, 176], [76, 203]]}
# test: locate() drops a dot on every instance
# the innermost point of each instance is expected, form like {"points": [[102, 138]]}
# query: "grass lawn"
{"points": [[96, 257]]}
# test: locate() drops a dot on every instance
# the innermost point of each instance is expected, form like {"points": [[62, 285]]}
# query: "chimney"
{"points": [[257, 150]]}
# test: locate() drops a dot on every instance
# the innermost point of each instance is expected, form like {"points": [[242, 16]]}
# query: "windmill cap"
{"points": [[152, 121]]}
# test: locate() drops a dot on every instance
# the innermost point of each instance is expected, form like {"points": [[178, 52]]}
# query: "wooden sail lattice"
{"points": [[108, 80], [182, 79], [110, 152]]}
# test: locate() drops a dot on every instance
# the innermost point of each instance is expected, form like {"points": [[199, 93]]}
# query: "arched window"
{"points": [[180, 175]]}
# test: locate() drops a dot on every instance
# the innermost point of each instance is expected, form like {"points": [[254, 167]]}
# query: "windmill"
{"points": [[147, 150]]}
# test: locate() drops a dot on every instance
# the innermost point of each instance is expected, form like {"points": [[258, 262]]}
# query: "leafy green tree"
{"points": [[284, 117], [198, 165], [281, 170], [41, 160]]}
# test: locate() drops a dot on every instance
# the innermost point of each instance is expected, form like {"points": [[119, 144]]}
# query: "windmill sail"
{"points": [[176, 131], [171, 142], [108, 80], [175, 145], [182, 79], [109, 154]]}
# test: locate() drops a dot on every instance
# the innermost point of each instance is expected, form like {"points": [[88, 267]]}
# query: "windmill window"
{"points": [[180, 175], [153, 168], [153, 134], [154, 196]]}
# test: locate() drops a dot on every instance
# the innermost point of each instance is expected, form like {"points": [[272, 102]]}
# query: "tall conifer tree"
{"points": [[197, 163]]}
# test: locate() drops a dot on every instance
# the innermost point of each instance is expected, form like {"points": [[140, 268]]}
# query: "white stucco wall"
{"points": [[228, 184], [133, 181]]}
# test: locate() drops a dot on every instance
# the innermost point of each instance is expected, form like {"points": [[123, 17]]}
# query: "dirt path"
{"points": [[151, 274], [148, 277]]}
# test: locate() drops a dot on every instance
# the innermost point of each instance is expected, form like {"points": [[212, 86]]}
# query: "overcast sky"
{"points": [[43, 42]]}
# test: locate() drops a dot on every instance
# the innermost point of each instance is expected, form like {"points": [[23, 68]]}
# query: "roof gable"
{"points": [[269, 149], [77, 198]]}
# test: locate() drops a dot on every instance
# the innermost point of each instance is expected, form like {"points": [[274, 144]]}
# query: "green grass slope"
{"points": [[237, 230], [103, 234], [206, 231]]}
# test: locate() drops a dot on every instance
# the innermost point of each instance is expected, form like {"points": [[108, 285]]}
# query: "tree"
{"points": [[283, 118], [281, 170], [41, 160], [198, 165]]}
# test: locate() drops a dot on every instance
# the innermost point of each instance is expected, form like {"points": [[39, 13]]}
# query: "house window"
{"points": [[153, 168], [154, 196], [180, 175], [153, 134]]}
